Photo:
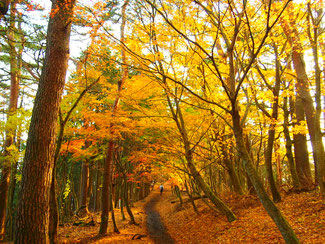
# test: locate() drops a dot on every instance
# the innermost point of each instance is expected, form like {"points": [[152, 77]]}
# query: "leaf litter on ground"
{"points": [[304, 211]]}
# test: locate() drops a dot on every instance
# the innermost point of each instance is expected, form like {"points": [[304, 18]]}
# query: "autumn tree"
{"points": [[303, 93], [238, 18], [109, 155], [315, 16]]}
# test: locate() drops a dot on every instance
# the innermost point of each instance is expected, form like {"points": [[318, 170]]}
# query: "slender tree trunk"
{"points": [[105, 189], [322, 49], [54, 212], [288, 141], [85, 186], [271, 134], [109, 155], [32, 223], [233, 177], [85, 179], [220, 205], [320, 153], [112, 213], [10, 133], [278, 164], [250, 186], [14, 168], [122, 200], [284, 227], [126, 201], [191, 198], [230, 167]]}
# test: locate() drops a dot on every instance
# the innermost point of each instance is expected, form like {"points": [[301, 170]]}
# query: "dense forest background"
{"points": [[214, 97]]}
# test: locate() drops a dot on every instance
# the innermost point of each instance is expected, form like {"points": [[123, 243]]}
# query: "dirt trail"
{"points": [[156, 229]]}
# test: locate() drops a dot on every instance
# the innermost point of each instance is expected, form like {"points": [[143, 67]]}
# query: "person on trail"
{"points": [[161, 189]]}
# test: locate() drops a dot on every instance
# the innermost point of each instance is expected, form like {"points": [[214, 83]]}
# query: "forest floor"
{"points": [[180, 224]]}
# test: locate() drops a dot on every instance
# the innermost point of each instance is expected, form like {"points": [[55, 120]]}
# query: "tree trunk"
{"points": [[233, 177], [109, 155], [223, 208], [303, 91], [53, 212], [284, 227], [85, 186], [250, 186], [320, 153], [112, 213], [191, 197], [301, 150], [126, 201], [288, 141], [106, 188], [32, 223], [271, 133], [10, 133]]}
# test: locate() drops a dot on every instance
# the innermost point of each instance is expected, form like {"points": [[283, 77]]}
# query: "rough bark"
{"points": [[32, 223]]}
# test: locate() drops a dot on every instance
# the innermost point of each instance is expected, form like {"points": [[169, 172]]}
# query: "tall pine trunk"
{"points": [[32, 223]]}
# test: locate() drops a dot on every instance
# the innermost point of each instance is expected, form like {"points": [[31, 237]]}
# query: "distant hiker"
{"points": [[161, 189]]}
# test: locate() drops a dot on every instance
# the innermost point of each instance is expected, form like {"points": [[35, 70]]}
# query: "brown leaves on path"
{"points": [[77, 234], [304, 211]]}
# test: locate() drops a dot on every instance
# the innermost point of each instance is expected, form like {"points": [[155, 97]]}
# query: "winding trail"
{"points": [[156, 228]]}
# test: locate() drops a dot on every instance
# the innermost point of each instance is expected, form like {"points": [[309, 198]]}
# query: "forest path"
{"points": [[156, 228]]}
